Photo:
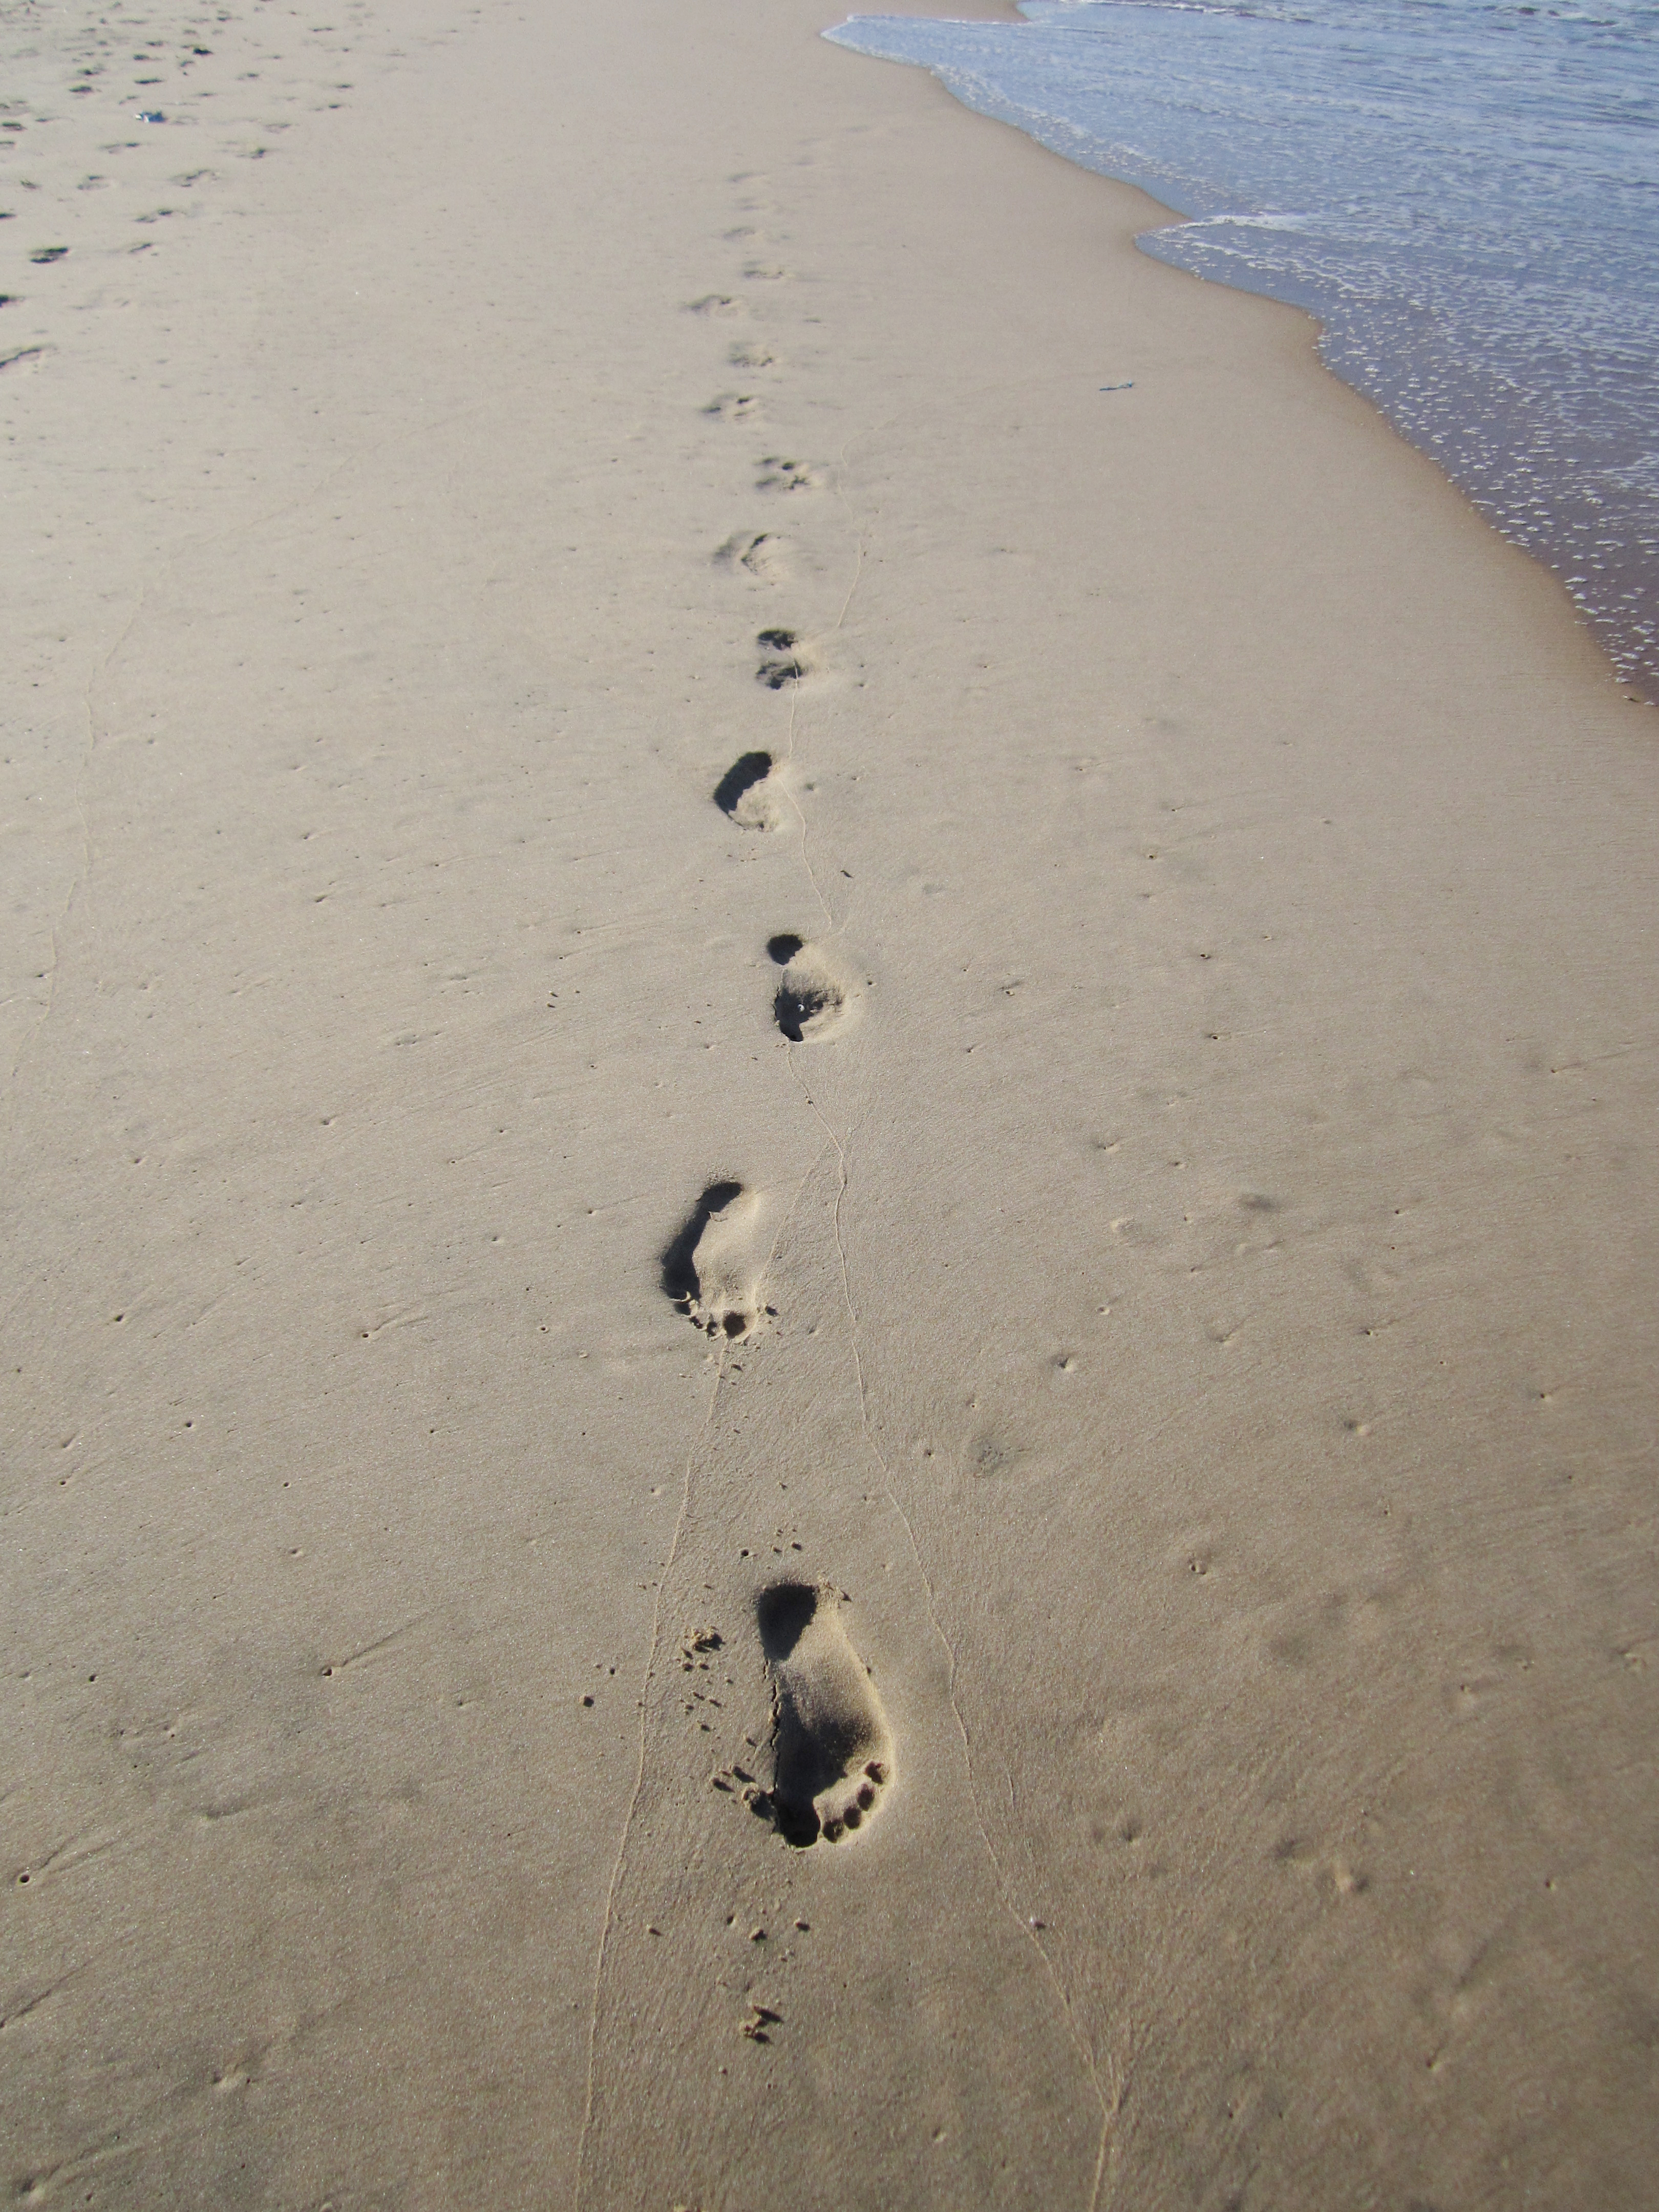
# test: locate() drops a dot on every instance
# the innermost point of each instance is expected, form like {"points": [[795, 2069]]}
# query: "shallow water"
{"points": [[1465, 191]]}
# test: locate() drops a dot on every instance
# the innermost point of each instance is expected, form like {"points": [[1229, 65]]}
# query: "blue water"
{"points": [[1466, 192]]}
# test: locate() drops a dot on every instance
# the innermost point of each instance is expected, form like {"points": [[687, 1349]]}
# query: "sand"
{"points": [[1150, 1084]]}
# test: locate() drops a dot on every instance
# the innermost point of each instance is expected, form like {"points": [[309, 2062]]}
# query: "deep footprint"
{"points": [[749, 793], [712, 1269], [833, 1751], [784, 662], [812, 1002]]}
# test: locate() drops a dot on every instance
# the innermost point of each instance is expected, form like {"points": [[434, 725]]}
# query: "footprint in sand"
{"points": [[750, 792], [784, 659], [833, 1751], [714, 303], [732, 406], [778, 473], [813, 1001], [760, 553], [711, 1270]]}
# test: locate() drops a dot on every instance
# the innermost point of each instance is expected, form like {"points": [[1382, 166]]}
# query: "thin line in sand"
{"points": [[639, 1767], [683, 1515], [1108, 2107]]}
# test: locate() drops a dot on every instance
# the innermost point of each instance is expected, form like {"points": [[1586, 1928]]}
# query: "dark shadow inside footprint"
{"points": [[784, 946], [742, 776], [798, 1004], [781, 666], [784, 1613], [798, 1824], [679, 1271]]}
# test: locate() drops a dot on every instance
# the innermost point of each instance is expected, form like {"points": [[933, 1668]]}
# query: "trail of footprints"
{"points": [[831, 1749], [115, 124]]}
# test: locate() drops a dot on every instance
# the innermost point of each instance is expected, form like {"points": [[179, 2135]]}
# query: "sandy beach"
{"points": [[830, 1203]]}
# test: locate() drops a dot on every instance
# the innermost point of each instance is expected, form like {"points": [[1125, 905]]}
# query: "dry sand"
{"points": [[1192, 1283]]}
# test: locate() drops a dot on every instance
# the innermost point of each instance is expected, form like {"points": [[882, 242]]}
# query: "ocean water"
{"points": [[1466, 192]]}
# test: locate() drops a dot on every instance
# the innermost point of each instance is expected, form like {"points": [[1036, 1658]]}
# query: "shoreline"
{"points": [[1621, 635], [1154, 1068]]}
